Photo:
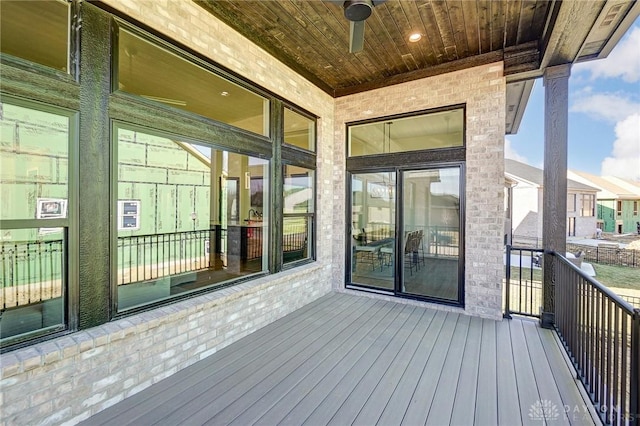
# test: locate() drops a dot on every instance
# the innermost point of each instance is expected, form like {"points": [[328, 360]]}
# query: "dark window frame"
{"points": [[407, 161], [97, 106], [69, 224]]}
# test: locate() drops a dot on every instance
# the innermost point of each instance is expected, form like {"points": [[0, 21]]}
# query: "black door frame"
{"points": [[374, 167]]}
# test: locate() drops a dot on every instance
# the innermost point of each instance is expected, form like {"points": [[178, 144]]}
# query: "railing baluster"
{"points": [[624, 349], [634, 379], [616, 364]]}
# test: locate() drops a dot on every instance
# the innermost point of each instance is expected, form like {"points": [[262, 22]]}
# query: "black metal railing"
{"points": [[294, 239], [633, 300], [31, 272], [605, 255], [523, 283], [442, 240], [601, 333], [147, 257]]}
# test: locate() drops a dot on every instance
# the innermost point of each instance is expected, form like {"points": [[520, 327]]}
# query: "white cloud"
{"points": [[510, 152], [623, 61], [624, 161], [609, 107]]}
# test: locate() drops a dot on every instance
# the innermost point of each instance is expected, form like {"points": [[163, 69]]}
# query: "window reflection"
{"points": [[147, 70], [431, 245], [189, 216], [298, 213], [34, 188], [37, 31], [430, 131], [373, 212], [299, 130]]}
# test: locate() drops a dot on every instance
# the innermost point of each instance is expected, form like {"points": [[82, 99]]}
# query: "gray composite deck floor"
{"points": [[348, 359]]}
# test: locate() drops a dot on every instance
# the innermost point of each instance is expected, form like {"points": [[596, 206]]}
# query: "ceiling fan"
{"points": [[357, 11]]}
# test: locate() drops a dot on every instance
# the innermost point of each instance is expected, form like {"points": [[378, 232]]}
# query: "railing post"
{"points": [[507, 307], [634, 384]]}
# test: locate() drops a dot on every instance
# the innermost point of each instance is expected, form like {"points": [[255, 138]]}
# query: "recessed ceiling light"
{"points": [[415, 37], [224, 93]]}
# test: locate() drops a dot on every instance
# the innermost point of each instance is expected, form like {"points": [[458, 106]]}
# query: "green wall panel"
{"points": [[18, 201], [185, 200], [166, 209], [202, 207], [197, 165], [146, 193], [183, 177], [7, 135], [131, 153], [31, 131], [128, 173], [170, 157], [153, 140], [63, 170], [19, 167], [49, 137]]}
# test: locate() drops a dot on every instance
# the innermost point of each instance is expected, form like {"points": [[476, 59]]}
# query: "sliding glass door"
{"points": [[405, 223], [406, 233], [431, 233], [373, 223]]}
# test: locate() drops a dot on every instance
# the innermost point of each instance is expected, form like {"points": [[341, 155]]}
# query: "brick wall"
{"points": [[67, 379], [482, 89]]}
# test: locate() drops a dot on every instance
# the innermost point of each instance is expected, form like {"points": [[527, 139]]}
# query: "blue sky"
{"points": [[604, 115]]}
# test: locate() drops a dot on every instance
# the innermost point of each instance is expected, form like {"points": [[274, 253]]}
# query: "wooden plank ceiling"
{"points": [[312, 37]]}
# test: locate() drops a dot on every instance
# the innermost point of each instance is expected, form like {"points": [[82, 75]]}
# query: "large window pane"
{"points": [[431, 239], [299, 130], [435, 130], [34, 163], [188, 217], [34, 188], [298, 213], [373, 218], [32, 294], [150, 71], [37, 31]]}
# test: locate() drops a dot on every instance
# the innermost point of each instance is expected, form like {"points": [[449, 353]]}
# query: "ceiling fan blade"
{"points": [[356, 36]]}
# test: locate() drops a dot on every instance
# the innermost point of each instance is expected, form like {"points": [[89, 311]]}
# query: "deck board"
{"points": [[464, 407], [400, 370], [385, 369], [542, 371], [528, 391], [486, 397], [346, 359], [305, 361], [138, 405], [508, 401], [215, 396]]}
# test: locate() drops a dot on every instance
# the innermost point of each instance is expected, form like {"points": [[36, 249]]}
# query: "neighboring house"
{"points": [[618, 202], [525, 186], [194, 171]]}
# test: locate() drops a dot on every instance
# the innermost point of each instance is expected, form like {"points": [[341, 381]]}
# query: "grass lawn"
{"points": [[610, 276], [617, 276]]}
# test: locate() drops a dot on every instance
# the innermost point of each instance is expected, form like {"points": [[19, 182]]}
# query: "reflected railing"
{"points": [[32, 272], [436, 240], [147, 257], [295, 239], [33, 285]]}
